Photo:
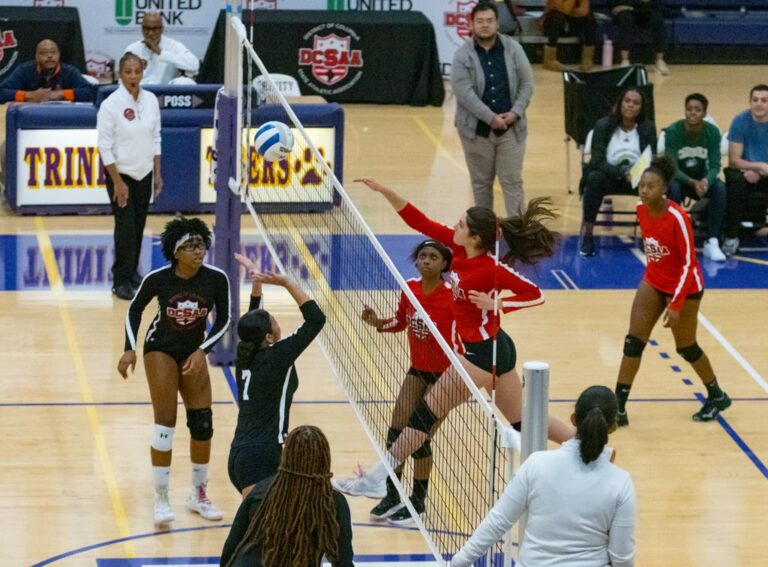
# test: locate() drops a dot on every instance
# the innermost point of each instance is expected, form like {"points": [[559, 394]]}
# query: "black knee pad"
{"points": [[633, 347], [392, 435], [691, 353], [422, 419], [424, 451], [200, 423]]}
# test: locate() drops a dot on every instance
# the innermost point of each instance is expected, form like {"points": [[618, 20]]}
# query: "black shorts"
{"points": [[697, 295], [178, 355], [250, 464], [428, 377], [481, 354]]}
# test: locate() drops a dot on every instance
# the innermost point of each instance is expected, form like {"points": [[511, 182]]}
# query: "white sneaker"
{"points": [[198, 501], [361, 485], [730, 246], [712, 250], [661, 67], [162, 512]]}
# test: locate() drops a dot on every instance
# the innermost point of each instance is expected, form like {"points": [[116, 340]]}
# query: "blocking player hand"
{"points": [[128, 359], [247, 263], [481, 300], [369, 316]]}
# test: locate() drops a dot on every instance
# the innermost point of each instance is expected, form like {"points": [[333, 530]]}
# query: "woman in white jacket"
{"points": [[581, 507], [128, 123]]}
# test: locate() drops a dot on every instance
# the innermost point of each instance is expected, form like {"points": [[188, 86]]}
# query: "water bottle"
{"points": [[607, 52]]}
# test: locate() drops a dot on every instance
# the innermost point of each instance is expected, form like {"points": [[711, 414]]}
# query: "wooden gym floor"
{"points": [[75, 480]]}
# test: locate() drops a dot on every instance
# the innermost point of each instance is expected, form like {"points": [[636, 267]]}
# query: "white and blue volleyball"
{"points": [[273, 141]]}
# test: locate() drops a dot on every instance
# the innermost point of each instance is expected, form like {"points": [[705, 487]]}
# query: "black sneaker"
{"points": [[587, 247], [712, 408], [136, 279], [622, 419], [403, 516], [123, 291], [388, 506]]}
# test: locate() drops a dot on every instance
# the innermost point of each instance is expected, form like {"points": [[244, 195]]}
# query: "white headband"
{"points": [[180, 242]]}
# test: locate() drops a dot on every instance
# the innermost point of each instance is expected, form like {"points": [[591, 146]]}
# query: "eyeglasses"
{"points": [[193, 246], [151, 28]]}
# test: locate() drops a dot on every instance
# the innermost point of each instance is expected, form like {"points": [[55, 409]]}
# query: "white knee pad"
{"points": [[162, 438]]}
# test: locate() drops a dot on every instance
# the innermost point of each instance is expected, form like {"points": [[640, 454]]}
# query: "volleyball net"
{"points": [[337, 259]]}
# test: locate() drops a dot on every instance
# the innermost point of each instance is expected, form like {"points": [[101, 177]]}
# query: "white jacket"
{"points": [[162, 69], [129, 132], [578, 515]]}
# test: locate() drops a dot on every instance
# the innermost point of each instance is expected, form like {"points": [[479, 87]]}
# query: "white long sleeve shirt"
{"points": [[129, 132], [578, 515], [163, 68]]}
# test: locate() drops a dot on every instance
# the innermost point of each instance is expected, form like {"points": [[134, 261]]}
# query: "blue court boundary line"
{"points": [[740, 443], [366, 558], [323, 402]]}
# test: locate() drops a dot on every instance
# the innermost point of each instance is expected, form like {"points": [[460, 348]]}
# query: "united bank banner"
{"points": [[59, 167]]}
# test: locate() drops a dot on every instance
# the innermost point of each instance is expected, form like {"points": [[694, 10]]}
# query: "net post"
{"points": [[226, 228], [535, 416]]}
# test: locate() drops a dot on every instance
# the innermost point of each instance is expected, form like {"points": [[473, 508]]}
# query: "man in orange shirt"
{"points": [[45, 79]]}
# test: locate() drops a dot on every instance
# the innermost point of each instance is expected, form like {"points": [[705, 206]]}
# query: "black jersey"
{"points": [[266, 387], [183, 307]]}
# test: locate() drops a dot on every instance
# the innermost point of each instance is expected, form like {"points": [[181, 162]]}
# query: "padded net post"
{"points": [[226, 229]]}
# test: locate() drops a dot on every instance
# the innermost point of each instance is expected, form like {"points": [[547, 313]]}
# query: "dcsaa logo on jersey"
{"points": [[7, 56], [654, 251], [418, 326], [453, 281], [186, 312], [333, 62], [457, 22]]}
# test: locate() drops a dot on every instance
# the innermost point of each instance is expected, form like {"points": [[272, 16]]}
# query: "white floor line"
{"points": [[754, 374]]}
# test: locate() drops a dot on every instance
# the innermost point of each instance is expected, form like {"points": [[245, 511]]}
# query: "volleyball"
{"points": [[273, 141]]}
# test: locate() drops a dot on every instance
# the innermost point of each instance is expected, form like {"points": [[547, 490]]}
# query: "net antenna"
{"points": [[335, 257]]}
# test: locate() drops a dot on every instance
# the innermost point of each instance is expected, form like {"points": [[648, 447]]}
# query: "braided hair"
{"points": [[528, 239], [296, 524]]}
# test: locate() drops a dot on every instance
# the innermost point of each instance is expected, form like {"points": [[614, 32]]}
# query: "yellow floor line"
{"points": [[57, 287], [750, 260]]}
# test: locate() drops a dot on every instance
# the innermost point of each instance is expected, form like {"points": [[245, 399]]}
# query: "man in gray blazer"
{"points": [[493, 84]]}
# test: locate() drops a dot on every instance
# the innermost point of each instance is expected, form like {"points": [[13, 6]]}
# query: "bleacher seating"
{"points": [[736, 27]]}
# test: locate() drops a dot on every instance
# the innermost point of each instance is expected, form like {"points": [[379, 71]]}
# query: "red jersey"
{"points": [[426, 354], [476, 274], [668, 242]]}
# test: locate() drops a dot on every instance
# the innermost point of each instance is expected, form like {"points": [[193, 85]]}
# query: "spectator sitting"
{"points": [[164, 58], [297, 509], [618, 140], [748, 162], [580, 20], [647, 14], [693, 145], [46, 79]]}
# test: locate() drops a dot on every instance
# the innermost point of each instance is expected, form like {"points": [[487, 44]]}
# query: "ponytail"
{"points": [[526, 236], [596, 411], [528, 239]]}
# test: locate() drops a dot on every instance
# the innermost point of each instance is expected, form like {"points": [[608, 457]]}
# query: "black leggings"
{"points": [[628, 21], [597, 186], [584, 28], [129, 225]]}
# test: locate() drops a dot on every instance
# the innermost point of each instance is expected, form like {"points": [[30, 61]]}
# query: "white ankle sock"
{"points": [[161, 476], [199, 474]]}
